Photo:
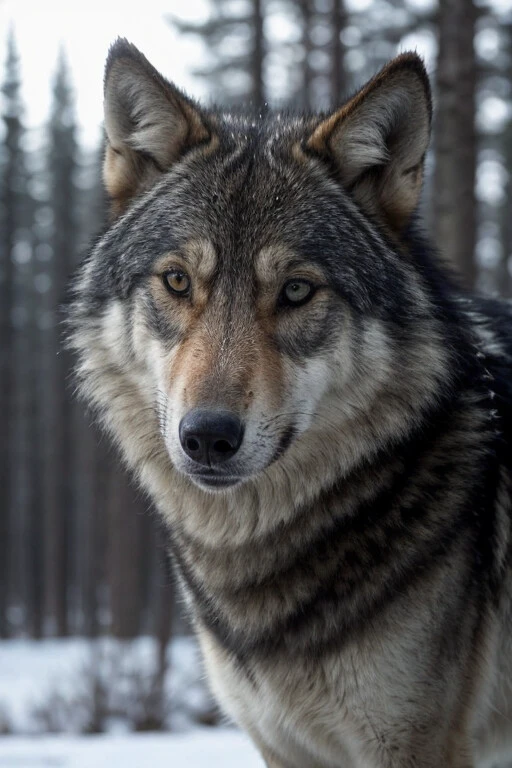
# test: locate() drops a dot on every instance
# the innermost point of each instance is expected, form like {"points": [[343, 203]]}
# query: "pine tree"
{"points": [[455, 206], [58, 444], [338, 77], [504, 271], [12, 191], [91, 460]]}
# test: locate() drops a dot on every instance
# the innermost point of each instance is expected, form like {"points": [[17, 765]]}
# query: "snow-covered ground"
{"points": [[54, 677], [212, 748], [49, 685]]}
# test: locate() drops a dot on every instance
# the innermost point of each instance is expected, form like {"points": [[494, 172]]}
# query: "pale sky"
{"points": [[86, 29]]}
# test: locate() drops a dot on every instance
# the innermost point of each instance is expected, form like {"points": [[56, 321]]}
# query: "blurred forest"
{"points": [[80, 551]]}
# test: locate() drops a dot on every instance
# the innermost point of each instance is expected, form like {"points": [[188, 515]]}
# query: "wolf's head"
{"points": [[253, 303]]}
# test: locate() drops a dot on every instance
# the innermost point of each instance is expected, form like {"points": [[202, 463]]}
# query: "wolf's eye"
{"points": [[177, 282], [296, 292]]}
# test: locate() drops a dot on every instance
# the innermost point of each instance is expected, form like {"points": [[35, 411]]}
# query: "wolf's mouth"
{"points": [[214, 481]]}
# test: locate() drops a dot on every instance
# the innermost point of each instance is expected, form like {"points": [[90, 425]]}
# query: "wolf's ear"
{"points": [[379, 138], [149, 124]]}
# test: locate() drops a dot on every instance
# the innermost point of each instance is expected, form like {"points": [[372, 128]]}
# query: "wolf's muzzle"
{"points": [[210, 437]]}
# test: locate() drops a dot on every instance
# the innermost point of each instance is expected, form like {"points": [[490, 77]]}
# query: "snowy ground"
{"points": [[58, 675], [55, 676], [218, 748]]}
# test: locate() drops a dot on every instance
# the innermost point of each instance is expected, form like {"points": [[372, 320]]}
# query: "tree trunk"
{"points": [[36, 534], [504, 281], [21, 443], [163, 636], [505, 268], [455, 206], [124, 547], [12, 196], [59, 444], [306, 96], [258, 57], [338, 22], [6, 355], [85, 545]]}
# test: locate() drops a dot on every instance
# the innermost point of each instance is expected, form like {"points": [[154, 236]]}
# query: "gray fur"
{"points": [[351, 586]]}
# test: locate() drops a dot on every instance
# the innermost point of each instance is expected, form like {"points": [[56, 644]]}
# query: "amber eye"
{"points": [[296, 292], [176, 281]]}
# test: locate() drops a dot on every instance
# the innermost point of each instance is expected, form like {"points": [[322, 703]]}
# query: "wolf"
{"points": [[321, 414]]}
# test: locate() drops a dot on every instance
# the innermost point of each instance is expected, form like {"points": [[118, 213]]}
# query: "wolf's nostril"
{"points": [[222, 446], [193, 445]]}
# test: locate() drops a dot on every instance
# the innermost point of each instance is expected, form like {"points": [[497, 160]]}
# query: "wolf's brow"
{"points": [[277, 260], [194, 253]]}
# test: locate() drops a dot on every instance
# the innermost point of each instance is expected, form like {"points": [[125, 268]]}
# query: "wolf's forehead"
{"points": [[234, 204]]}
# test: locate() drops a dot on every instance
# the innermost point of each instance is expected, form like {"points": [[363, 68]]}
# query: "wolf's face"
{"points": [[249, 288]]}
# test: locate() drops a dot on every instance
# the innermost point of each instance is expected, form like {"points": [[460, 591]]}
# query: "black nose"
{"points": [[210, 437]]}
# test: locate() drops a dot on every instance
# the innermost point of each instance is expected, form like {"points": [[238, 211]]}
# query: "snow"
{"points": [[212, 748], [32, 672], [56, 674]]}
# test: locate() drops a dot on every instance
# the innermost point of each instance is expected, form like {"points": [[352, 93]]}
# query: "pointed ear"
{"points": [[149, 124], [378, 140]]}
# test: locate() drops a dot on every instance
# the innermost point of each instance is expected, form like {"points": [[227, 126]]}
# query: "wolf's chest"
{"points": [[314, 711], [308, 708]]}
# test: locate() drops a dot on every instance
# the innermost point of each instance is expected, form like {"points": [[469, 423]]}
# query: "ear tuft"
{"points": [[149, 123], [123, 49], [379, 138]]}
